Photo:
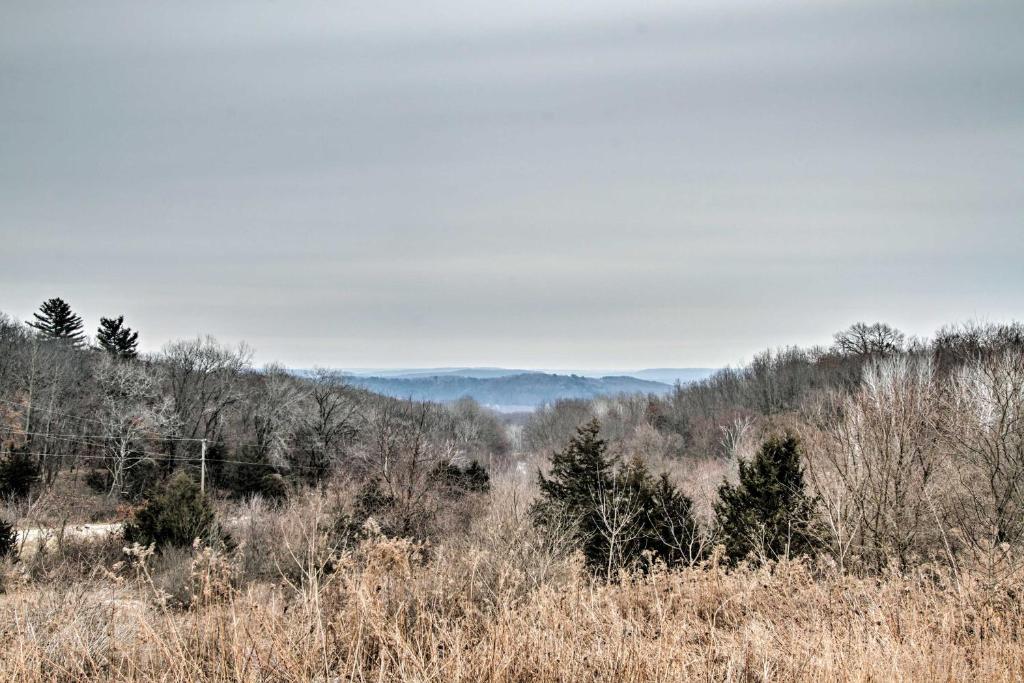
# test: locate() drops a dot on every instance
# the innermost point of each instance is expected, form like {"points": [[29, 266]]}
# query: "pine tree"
{"points": [[768, 514], [116, 338], [582, 474], [56, 320]]}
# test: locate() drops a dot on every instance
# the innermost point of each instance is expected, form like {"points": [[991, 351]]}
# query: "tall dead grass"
{"points": [[500, 603]]}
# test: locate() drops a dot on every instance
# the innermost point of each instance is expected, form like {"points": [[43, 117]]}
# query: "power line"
{"points": [[104, 423], [162, 457], [114, 436], [33, 407], [83, 439], [156, 436]]}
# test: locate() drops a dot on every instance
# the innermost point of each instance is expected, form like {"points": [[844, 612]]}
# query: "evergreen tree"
{"points": [[579, 470], [116, 338], [675, 536], [176, 516], [8, 539], [253, 474], [19, 472], [457, 481], [581, 475], [768, 514], [56, 320], [619, 513]]}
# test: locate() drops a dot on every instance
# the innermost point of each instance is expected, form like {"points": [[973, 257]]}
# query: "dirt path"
{"points": [[31, 540]]}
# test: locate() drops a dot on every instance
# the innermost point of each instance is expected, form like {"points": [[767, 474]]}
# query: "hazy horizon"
{"points": [[592, 185]]}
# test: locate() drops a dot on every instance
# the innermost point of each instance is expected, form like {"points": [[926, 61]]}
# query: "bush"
{"points": [[18, 473], [273, 487], [254, 475], [458, 481], [8, 539], [142, 475], [371, 503], [141, 478], [98, 480], [175, 517], [768, 514]]}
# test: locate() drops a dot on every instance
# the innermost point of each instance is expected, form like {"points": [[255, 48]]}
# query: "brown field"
{"points": [[497, 603]]}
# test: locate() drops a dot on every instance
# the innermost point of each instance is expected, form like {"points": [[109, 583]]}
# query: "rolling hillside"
{"points": [[525, 390]]}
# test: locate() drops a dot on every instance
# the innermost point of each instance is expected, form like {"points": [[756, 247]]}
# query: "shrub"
{"points": [[141, 478], [768, 515], [8, 539], [176, 516], [98, 480], [273, 487], [18, 473], [254, 475], [347, 525], [458, 481]]}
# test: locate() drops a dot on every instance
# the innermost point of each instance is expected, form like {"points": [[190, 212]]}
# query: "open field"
{"points": [[501, 603], [389, 620]]}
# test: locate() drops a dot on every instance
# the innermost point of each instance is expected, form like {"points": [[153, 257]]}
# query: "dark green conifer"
{"points": [[176, 516], [116, 338], [620, 514], [8, 539], [56, 320], [768, 515], [19, 472]]}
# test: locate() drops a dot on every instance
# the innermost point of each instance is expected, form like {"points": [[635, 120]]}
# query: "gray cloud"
{"points": [[595, 185]]}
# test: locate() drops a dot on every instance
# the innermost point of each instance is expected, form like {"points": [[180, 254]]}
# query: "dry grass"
{"points": [[502, 604]]}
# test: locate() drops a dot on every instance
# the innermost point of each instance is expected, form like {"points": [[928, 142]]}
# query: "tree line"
{"points": [[128, 423], [878, 451]]}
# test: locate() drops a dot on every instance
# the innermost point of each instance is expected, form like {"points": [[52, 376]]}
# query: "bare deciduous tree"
{"points": [[203, 382], [401, 455], [881, 461], [875, 340], [132, 413], [982, 428], [329, 421], [619, 514]]}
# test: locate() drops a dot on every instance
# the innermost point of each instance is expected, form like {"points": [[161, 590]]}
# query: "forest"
{"points": [[852, 510]]}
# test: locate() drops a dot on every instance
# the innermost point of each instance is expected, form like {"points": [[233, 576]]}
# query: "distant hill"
{"points": [[664, 375], [418, 373], [507, 392], [672, 375]]}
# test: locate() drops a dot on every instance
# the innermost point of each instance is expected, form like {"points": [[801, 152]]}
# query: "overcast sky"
{"points": [[598, 184]]}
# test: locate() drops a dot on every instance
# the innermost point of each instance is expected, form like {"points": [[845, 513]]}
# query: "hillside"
{"points": [[521, 390]]}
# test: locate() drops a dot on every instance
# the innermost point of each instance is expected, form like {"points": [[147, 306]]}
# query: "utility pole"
{"points": [[202, 468]]}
